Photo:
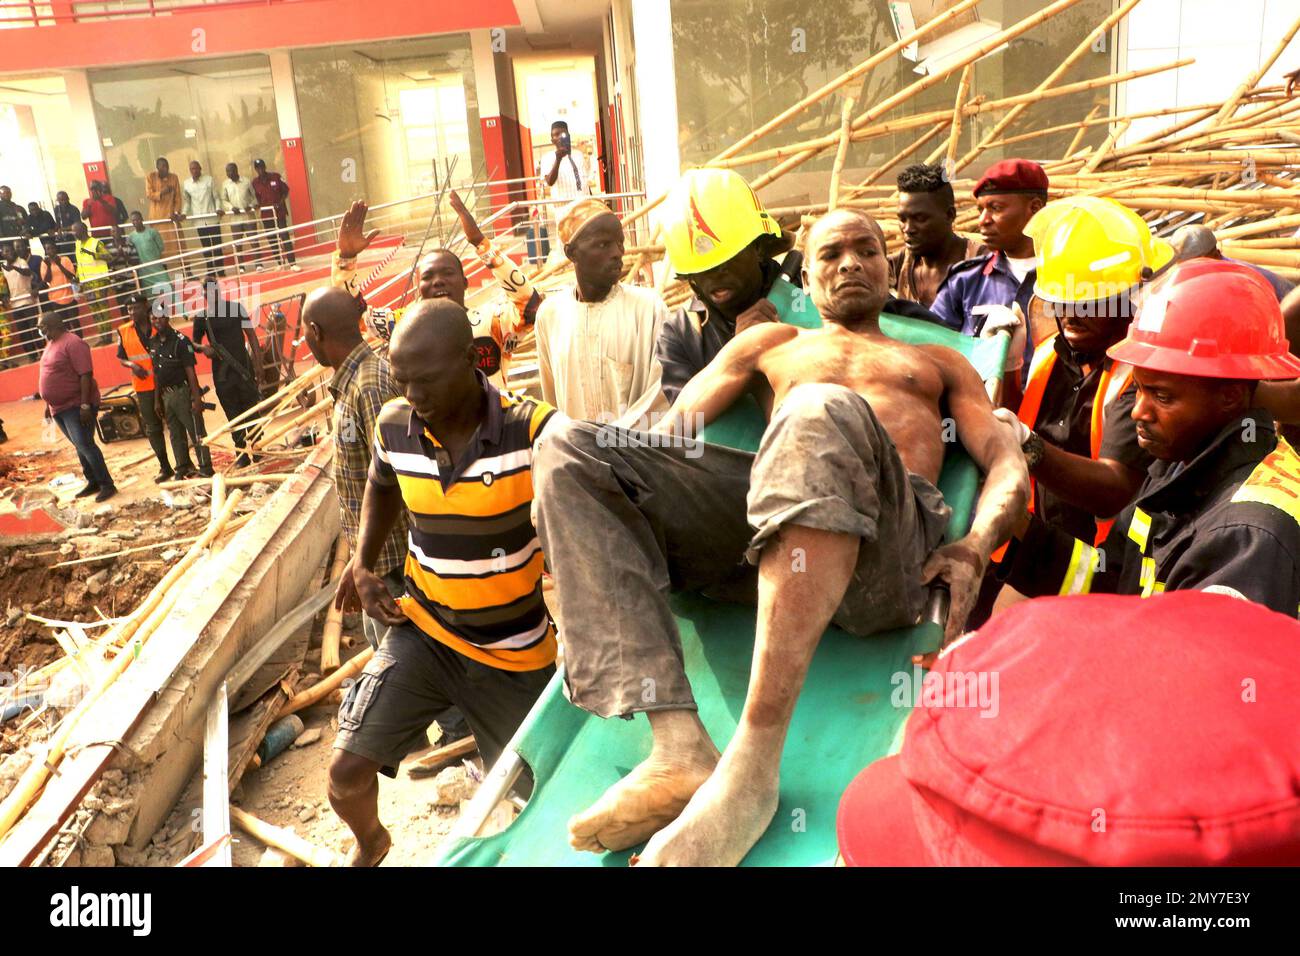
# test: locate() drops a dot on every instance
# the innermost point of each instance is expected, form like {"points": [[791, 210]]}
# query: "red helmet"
{"points": [[1210, 319]]}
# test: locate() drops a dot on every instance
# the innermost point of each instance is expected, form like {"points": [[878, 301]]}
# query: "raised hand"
{"points": [[352, 238]]}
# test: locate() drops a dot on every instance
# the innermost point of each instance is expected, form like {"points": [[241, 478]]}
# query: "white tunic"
{"points": [[597, 360]]}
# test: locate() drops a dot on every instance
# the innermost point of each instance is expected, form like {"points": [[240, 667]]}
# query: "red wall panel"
{"points": [[222, 30]]}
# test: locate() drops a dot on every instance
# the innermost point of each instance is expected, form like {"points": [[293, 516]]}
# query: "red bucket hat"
{"points": [[1120, 731], [1012, 176]]}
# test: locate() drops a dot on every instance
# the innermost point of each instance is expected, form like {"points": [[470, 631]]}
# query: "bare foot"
{"points": [[721, 823], [371, 852], [645, 800]]}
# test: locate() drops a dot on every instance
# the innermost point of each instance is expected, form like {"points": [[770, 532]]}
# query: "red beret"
{"points": [[1096, 730], [1013, 176]]}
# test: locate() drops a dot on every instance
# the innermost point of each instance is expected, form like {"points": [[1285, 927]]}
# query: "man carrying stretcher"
{"points": [[838, 509]]}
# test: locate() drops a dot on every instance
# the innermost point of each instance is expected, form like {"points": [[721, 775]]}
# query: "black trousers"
{"points": [[209, 238], [236, 396]]}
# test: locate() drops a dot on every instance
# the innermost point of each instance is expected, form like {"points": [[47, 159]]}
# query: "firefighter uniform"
{"points": [[1227, 516], [131, 347], [1093, 254], [1086, 411], [1229, 519]]}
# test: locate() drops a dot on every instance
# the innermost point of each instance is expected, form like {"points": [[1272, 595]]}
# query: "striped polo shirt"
{"points": [[473, 563]]}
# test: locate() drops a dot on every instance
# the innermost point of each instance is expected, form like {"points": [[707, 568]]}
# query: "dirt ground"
{"points": [[291, 791]]}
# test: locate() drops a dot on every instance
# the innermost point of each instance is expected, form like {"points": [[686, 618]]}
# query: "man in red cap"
{"points": [[1220, 507], [1148, 784], [981, 292]]}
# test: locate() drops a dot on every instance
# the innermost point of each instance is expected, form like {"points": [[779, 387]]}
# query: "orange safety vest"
{"points": [[136, 352], [1114, 380]]}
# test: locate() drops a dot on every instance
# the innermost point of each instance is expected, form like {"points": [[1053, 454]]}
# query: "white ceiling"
{"points": [[561, 25]]}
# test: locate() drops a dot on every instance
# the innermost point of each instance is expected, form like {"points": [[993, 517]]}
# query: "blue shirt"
{"points": [[984, 280]]}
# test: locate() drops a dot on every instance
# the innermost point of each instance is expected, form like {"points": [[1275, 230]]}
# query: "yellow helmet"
{"points": [[1092, 248], [711, 215]]}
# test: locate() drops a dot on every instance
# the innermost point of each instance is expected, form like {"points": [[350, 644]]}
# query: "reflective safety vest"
{"points": [[1114, 380], [88, 267], [136, 352]]}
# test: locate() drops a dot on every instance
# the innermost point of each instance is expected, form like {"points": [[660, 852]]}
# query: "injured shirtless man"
{"points": [[838, 509]]}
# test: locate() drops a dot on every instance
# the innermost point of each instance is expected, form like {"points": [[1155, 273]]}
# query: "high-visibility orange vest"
{"points": [[137, 353], [1114, 380]]}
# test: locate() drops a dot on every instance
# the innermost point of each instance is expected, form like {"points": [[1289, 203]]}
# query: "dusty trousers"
{"points": [[623, 522]]}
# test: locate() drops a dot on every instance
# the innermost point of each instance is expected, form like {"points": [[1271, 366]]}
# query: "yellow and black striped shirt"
{"points": [[474, 563]]}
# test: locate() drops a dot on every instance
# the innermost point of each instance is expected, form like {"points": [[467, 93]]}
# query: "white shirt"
{"points": [[20, 286], [573, 179], [1020, 267], [596, 360], [198, 197], [238, 195]]}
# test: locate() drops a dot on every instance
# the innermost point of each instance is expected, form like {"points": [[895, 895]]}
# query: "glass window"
{"points": [[739, 63], [376, 118], [216, 111], [38, 148]]}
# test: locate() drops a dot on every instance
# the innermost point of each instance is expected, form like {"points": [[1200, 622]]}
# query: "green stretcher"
{"points": [[857, 696]]}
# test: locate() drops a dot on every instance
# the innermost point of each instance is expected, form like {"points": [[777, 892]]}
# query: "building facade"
{"points": [[371, 100]]}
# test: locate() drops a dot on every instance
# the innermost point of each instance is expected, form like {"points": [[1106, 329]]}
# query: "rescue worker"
{"points": [[1008, 196], [177, 397], [1079, 436], [134, 337], [497, 324], [1093, 760], [722, 242], [1220, 509], [1199, 241]]}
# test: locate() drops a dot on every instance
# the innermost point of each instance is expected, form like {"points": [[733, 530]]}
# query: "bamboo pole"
{"points": [[954, 133], [920, 86], [911, 147], [331, 683], [140, 625], [819, 94], [217, 500], [299, 384], [283, 839], [849, 76], [1078, 53], [320, 408], [846, 117], [1230, 104], [1078, 136], [333, 633], [1166, 140], [811, 146], [1235, 157], [234, 525], [1262, 257]]}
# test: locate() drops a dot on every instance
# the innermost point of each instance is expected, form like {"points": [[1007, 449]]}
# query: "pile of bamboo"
{"points": [[1230, 165]]}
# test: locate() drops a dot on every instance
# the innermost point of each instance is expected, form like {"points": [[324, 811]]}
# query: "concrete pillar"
{"points": [[89, 145], [498, 119], [295, 159], [656, 82]]}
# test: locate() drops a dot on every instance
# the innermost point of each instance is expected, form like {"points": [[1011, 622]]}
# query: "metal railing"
{"points": [[519, 229]]}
